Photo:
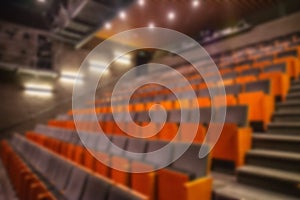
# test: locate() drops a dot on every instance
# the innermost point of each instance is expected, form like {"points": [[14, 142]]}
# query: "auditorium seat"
{"points": [[74, 188], [120, 193], [235, 138], [186, 181], [96, 187]]}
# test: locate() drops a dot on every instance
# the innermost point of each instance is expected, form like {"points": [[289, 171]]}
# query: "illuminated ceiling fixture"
{"points": [[107, 25], [141, 2], [41, 1], [122, 15], [38, 89], [195, 3], [71, 77], [126, 60], [122, 59], [151, 25], [98, 66], [171, 15]]}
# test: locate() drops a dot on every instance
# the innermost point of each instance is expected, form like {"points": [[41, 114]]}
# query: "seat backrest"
{"points": [[237, 115], [107, 117], [159, 98], [117, 193], [92, 140], [265, 58], [293, 53], [230, 75], [196, 167], [120, 143], [233, 89], [62, 173], [119, 116], [103, 143], [252, 71], [142, 116], [280, 67], [203, 93], [75, 186], [96, 188], [135, 148], [176, 115], [161, 159], [261, 85], [204, 115]]}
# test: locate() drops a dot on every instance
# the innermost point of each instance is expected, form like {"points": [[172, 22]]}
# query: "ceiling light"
{"points": [[41, 1], [122, 15], [171, 15], [38, 89], [151, 25], [141, 2], [195, 3], [71, 77], [107, 25]]}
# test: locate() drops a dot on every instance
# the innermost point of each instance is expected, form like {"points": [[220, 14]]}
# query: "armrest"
{"points": [[200, 188], [244, 143]]}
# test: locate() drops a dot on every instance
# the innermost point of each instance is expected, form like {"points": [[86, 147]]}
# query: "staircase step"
{"points": [[295, 82], [284, 128], [272, 179], [288, 105], [293, 96], [245, 192], [274, 159], [286, 116], [294, 88], [276, 142]]}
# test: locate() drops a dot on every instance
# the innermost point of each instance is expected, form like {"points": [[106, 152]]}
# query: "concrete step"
{"points": [[239, 191], [286, 116], [284, 128], [294, 88], [274, 159], [294, 83], [270, 179], [293, 96], [276, 142], [288, 106]]}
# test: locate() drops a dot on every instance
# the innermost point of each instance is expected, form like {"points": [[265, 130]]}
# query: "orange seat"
{"points": [[233, 144], [293, 66], [182, 104], [186, 129], [219, 100], [280, 83], [169, 131], [245, 79], [261, 106], [201, 102]]}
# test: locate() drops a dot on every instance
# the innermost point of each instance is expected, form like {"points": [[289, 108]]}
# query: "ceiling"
{"points": [[208, 15], [82, 22]]}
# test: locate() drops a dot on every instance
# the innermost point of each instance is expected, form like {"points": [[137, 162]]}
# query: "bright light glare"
{"points": [[124, 60], [38, 89], [71, 77], [38, 93], [141, 2], [151, 25], [171, 15], [107, 25], [195, 3], [122, 15]]}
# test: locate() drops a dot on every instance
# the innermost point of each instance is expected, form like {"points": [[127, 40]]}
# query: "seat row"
{"points": [[127, 167], [65, 179]]}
